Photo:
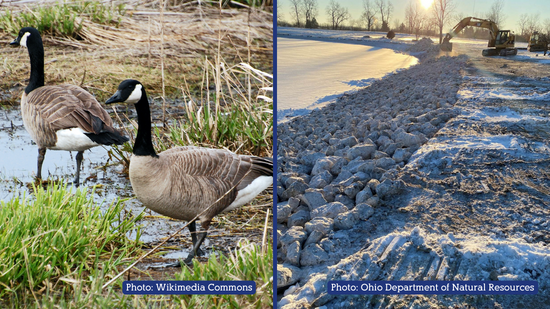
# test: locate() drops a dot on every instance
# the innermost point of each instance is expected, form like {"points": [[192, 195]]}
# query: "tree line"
{"points": [[376, 16]]}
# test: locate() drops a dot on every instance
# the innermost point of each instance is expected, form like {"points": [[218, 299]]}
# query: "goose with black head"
{"points": [[61, 117], [184, 181]]}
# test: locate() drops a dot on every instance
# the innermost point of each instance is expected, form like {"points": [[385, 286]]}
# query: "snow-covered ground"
{"points": [[457, 189], [312, 73]]}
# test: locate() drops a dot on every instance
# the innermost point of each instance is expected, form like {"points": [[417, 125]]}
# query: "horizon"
{"points": [[474, 8]]}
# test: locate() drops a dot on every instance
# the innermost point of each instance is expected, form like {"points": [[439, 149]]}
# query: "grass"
{"points": [[61, 19], [59, 248], [245, 263], [59, 243]]}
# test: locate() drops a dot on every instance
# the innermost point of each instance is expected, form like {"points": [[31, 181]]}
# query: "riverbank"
{"points": [[424, 175]]}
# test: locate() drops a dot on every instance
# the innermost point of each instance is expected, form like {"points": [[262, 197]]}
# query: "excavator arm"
{"points": [[501, 40], [472, 22]]}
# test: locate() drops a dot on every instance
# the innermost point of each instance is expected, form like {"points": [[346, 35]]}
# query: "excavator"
{"points": [[501, 40], [538, 42]]}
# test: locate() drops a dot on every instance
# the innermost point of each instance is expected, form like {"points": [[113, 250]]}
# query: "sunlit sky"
{"points": [[477, 8]]}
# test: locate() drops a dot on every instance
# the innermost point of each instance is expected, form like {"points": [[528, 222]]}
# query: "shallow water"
{"points": [[18, 155]]}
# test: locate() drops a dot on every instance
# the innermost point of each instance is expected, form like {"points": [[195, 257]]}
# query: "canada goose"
{"points": [[182, 182], [62, 117]]}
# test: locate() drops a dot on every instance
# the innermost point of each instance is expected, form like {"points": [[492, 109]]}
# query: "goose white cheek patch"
{"points": [[23, 41], [135, 96]]}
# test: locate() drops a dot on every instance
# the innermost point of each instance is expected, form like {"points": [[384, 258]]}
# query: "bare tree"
{"points": [[296, 10], [396, 23], [522, 23], [337, 14], [442, 10], [279, 12], [369, 14], [532, 24], [495, 13], [547, 26], [310, 10], [385, 8], [414, 17]]}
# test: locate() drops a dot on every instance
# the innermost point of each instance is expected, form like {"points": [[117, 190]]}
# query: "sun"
{"points": [[426, 3]]}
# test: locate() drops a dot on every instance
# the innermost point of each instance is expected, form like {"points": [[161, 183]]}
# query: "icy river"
{"points": [[313, 73]]}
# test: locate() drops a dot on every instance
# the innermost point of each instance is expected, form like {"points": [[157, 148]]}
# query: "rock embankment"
{"points": [[337, 166]]}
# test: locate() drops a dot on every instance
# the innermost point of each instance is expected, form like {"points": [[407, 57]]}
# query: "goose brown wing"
{"points": [[222, 169], [69, 106]]}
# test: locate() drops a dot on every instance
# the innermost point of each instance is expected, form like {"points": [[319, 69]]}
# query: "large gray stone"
{"points": [[321, 180], [299, 218], [349, 141], [320, 224], [296, 188], [332, 164], [314, 237], [283, 212], [344, 199], [313, 255], [363, 211], [330, 210], [363, 150], [364, 195], [384, 163], [352, 190], [310, 158], [294, 202], [346, 220], [404, 139], [401, 155], [372, 184], [287, 275], [293, 253], [389, 188], [295, 233], [313, 199]]}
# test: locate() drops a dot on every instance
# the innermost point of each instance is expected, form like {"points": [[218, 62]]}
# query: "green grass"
{"points": [[59, 248], [58, 244], [246, 263], [61, 19]]}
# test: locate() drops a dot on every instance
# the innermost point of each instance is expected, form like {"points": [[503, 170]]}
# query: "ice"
{"points": [[304, 84]]}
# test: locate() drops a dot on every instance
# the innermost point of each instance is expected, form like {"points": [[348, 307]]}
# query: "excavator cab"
{"points": [[504, 39]]}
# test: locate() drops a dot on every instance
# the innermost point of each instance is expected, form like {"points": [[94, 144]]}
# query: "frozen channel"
{"points": [[312, 73]]}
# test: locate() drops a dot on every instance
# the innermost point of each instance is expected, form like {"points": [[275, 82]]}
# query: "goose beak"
{"points": [[15, 42], [115, 98]]}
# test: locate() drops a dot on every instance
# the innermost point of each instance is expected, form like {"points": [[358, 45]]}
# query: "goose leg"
{"points": [[193, 230], [41, 155], [196, 245], [79, 157]]}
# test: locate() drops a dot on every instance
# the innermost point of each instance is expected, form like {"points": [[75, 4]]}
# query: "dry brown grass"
{"points": [[108, 54]]}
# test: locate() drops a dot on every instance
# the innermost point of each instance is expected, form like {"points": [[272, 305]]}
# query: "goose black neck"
{"points": [[36, 55], [144, 145]]}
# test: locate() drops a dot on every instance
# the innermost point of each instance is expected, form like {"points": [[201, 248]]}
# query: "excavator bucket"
{"points": [[446, 46]]}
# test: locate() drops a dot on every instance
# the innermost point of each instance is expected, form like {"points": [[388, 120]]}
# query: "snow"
{"points": [[476, 202], [363, 36], [303, 83]]}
